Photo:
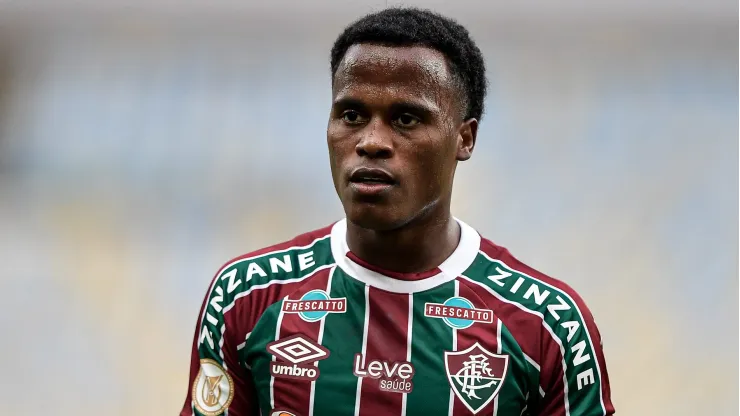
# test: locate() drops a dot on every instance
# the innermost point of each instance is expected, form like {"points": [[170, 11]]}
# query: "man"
{"points": [[400, 308]]}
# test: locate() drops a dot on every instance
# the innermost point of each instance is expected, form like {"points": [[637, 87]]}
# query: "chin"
{"points": [[373, 217]]}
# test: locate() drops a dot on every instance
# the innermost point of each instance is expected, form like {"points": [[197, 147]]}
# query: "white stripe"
{"points": [[547, 327], [498, 351], [408, 347], [454, 348], [583, 320], [278, 324], [243, 344], [531, 361], [526, 399], [273, 282], [534, 364], [221, 345], [358, 394], [221, 270], [320, 340], [223, 360]]}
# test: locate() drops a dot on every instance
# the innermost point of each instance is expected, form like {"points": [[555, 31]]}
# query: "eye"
{"points": [[352, 117], [407, 120]]}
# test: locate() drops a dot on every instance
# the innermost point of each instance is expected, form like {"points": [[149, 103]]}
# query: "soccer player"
{"points": [[400, 308]]}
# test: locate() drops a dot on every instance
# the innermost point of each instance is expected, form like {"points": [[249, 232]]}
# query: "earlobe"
{"points": [[466, 137]]}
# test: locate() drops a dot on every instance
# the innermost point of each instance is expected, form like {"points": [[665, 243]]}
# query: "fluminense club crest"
{"points": [[476, 375]]}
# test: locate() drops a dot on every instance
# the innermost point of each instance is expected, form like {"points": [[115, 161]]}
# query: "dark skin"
{"points": [[397, 111]]}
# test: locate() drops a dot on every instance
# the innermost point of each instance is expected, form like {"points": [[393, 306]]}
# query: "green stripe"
{"points": [[335, 389], [430, 337], [511, 398]]}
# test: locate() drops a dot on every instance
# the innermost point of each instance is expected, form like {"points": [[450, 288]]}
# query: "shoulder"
{"points": [[283, 262], [571, 341], [262, 274], [524, 284], [284, 257], [559, 309]]}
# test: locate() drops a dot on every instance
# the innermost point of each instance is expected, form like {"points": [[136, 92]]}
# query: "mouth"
{"points": [[371, 181], [371, 175]]}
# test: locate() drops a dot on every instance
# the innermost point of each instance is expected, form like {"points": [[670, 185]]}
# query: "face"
{"points": [[395, 134]]}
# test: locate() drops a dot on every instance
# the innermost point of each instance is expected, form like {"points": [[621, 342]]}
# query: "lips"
{"points": [[371, 184], [372, 176]]}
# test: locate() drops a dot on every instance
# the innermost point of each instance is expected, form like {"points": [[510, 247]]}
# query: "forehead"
{"points": [[417, 70]]}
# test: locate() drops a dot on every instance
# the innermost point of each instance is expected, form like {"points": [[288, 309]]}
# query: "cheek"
{"points": [[427, 170], [435, 168], [337, 133], [340, 147]]}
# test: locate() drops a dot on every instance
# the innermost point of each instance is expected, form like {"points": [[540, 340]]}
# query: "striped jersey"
{"points": [[307, 328]]}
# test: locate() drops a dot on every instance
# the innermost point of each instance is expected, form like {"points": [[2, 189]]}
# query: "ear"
{"points": [[466, 136]]}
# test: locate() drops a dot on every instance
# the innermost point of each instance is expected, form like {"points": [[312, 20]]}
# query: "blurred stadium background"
{"points": [[144, 143]]}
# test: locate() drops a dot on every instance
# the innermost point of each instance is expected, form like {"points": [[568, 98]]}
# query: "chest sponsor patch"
{"points": [[458, 312], [295, 357], [315, 305], [475, 375], [392, 376]]}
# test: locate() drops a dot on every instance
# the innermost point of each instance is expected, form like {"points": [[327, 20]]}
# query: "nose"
{"points": [[375, 143]]}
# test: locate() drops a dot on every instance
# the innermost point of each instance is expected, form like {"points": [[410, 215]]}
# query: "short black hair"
{"points": [[401, 26]]}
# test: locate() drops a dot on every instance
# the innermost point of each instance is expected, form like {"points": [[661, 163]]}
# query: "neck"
{"points": [[418, 246]]}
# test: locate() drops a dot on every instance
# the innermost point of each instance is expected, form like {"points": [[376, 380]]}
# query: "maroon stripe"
{"points": [[291, 394], [605, 387], [387, 338], [554, 401]]}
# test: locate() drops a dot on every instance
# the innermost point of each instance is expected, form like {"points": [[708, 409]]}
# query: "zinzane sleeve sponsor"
{"points": [[218, 385], [573, 376], [574, 387]]}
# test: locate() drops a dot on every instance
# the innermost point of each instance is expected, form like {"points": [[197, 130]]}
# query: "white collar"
{"points": [[451, 268]]}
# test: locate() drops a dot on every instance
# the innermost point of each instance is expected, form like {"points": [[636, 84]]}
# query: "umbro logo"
{"points": [[296, 357], [296, 349]]}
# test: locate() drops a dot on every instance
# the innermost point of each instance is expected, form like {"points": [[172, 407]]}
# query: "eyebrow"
{"points": [[412, 107], [397, 107], [347, 102]]}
